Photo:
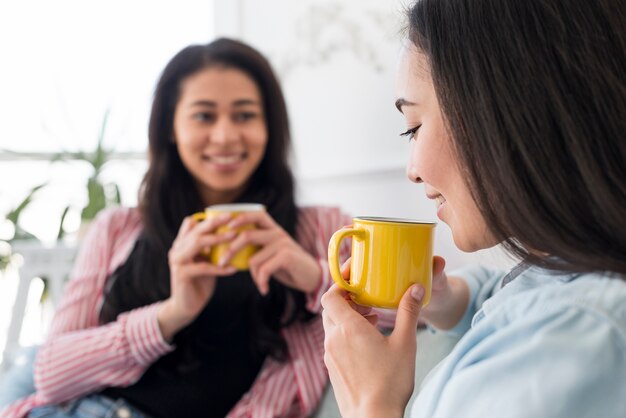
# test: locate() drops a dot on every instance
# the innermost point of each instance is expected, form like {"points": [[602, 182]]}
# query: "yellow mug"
{"points": [[241, 259], [388, 256]]}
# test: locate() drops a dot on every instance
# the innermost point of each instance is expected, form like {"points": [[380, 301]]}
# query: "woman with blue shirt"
{"points": [[516, 115]]}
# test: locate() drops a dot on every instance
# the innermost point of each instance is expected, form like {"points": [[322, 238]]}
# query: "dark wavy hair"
{"points": [[168, 192], [533, 93]]}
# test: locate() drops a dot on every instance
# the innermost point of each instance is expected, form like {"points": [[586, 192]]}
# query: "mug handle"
{"points": [[333, 256]]}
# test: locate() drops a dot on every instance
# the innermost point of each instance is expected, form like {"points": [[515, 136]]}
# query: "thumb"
{"points": [[408, 312]]}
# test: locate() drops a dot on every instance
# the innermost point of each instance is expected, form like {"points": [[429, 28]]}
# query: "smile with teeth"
{"points": [[440, 200], [225, 159]]}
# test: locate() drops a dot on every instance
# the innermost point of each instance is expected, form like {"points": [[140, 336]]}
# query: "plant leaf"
{"points": [[96, 199], [117, 196], [21, 234], [100, 156], [14, 215], [61, 232]]}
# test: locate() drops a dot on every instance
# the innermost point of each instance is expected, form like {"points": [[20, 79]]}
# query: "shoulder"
{"points": [[107, 241], [118, 215], [583, 317], [316, 224], [118, 218], [559, 345], [114, 225], [323, 215], [596, 296]]}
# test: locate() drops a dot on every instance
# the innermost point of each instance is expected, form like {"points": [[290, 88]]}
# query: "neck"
{"points": [[216, 197]]}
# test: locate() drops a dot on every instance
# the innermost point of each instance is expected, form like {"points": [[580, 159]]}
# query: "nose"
{"points": [[412, 171], [223, 131]]}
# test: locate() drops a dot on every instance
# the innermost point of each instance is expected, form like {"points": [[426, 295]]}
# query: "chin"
{"points": [[467, 245]]}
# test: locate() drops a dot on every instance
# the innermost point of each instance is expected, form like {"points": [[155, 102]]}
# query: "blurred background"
{"points": [[76, 83]]}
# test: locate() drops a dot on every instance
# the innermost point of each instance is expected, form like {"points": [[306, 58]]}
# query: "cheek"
{"points": [[184, 135], [257, 137], [424, 161]]}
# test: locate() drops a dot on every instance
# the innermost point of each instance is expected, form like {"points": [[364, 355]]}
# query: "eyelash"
{"points": [[411, 132]]}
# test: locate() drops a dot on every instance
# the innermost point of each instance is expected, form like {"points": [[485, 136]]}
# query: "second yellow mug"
{"points": [[388, 256], [240, 260]]}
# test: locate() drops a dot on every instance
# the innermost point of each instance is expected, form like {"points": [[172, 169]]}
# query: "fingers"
{"points": [[265, 263], [188, 248], [263, 255], [408, 313], [186, 226], [261, 219], [439, 265], [259, 237], [203, 269], [209, 224], [372, 319], [345, 269], [336, 308], [363, 310], [262, 273]]}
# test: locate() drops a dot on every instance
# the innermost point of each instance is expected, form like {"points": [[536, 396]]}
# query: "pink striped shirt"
{"points": [[81, 357]]}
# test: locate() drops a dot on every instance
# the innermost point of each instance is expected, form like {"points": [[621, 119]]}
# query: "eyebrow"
{"points": [[236, 103], [403, 102]]}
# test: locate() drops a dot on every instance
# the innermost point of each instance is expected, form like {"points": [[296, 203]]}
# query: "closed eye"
{"points": [[411, 132]]}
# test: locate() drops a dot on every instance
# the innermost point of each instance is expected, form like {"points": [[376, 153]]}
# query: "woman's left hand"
{"points": [[372, 375], [280, 256]]}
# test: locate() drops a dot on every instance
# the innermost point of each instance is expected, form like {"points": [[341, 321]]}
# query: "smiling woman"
{"points": [[431, 149], [220, 131], [515, 110], [159, 329]]}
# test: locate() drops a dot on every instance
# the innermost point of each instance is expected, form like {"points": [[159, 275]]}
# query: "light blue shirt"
{"points": [[544, 345]]}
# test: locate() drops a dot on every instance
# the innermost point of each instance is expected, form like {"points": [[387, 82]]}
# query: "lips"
{"points": [[436, 196], [225, 163], [225, 159]]}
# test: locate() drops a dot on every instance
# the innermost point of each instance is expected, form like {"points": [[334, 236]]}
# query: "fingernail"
{"points": [[417, 292], [222, 262]]}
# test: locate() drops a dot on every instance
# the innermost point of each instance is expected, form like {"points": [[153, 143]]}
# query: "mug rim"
{"points": [[236, 207], [390, 220]]}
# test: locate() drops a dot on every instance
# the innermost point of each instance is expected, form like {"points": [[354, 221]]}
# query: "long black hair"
{"points": [[533, 93], [168, 192]]}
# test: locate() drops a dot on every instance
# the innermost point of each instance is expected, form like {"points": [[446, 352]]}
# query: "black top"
{"points": [[220, 363]]}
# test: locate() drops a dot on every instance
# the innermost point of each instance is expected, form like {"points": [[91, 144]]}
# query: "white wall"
{"points": [[336, 60]]}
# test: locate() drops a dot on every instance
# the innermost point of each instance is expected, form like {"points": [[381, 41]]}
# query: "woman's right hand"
{"points": [[192, 276]]}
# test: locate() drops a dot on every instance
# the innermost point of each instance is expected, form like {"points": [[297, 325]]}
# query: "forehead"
{"points": [[219, 84], [413, 75]]}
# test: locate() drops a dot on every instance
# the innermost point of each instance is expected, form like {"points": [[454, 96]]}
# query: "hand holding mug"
{"points": [[192, 277], [353, 344], [278, 255], [449, 299]]}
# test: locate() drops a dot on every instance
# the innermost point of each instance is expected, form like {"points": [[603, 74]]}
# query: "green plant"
{"points": [[99, 194], [18, 233]]}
